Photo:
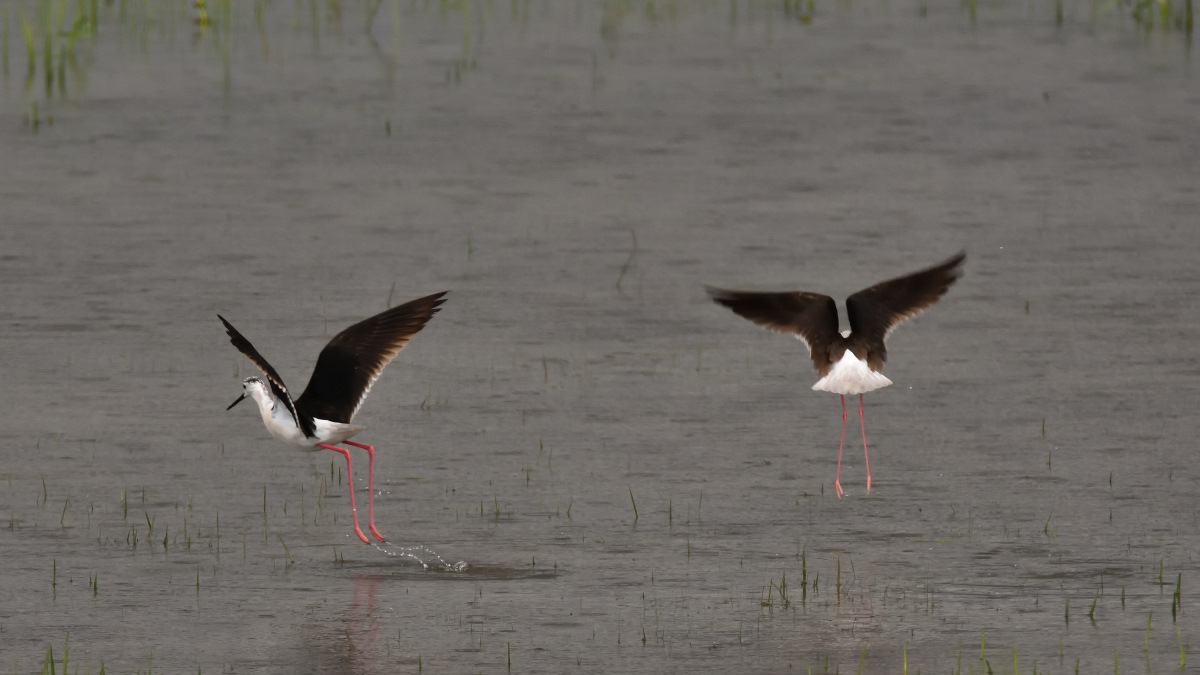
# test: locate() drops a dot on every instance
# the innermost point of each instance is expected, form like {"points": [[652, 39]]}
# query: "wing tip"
{"points": [[954, 264], [943, 274], [433, 302], [722, 296], [718, 294], [233, 333]]}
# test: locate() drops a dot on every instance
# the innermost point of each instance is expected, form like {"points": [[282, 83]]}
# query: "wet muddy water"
{"points": [[636, 479]]}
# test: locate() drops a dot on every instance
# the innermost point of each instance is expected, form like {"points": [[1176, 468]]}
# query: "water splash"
{"points": [[424, 556]]}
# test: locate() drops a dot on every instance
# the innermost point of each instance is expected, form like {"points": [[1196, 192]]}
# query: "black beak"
{"points": [[239, 400]]}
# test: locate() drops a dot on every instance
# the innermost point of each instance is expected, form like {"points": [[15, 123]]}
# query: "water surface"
{"points": [[636, 479]]}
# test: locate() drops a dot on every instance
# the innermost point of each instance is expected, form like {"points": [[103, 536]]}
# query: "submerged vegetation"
{"points": [[792, 597], [50, 45]]}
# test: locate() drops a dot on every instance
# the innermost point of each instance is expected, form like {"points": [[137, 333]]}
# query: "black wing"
{"points": [[876, 311], [354, 358], [812, 317], [243, 345]]}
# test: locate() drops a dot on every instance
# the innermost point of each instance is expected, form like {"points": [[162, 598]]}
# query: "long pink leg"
{"points": [[349, 478], [837, 479], [866, 457], [370, 487]]}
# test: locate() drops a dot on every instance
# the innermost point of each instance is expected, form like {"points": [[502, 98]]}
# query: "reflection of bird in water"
{"points": [[346, 368], [850, 362]]}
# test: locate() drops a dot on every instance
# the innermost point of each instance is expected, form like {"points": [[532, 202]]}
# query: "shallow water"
{"points": [[635, 478]]}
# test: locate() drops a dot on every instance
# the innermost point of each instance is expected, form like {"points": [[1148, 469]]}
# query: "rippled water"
{"points": [[635, 478]]}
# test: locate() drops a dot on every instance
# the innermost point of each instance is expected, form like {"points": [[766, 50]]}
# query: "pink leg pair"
{"points": [[370, 487], [837, 483]]}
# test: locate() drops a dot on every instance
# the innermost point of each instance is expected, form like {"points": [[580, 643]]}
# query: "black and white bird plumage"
{"points": [[849, 362], [873, 313], [346, 369]]}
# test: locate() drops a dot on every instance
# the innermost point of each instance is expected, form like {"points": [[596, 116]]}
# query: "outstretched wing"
{"points": [[354, 358], [277, 386], [876, 311], [812, 317]]}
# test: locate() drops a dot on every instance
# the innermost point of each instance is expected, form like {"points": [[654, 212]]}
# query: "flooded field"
{"points": [[584, 464]]}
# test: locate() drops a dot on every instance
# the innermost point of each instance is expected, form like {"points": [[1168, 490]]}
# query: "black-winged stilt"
{"points": [[347, 367], [850, 362]]}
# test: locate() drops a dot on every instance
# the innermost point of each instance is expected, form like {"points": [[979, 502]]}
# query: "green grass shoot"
{"points": [[291, 560], [1177, 597], [839, 580], [1182, 653], [27, 34]]}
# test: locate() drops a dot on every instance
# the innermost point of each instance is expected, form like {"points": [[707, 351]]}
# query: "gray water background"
{"points": [[575, 173]]}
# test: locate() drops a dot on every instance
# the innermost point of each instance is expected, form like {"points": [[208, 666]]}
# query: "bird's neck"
{"points": [[274, 413]]}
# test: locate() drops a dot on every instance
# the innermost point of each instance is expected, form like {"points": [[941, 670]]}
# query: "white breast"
{"points": [[279, 422], [281, 425], [851, 376]]}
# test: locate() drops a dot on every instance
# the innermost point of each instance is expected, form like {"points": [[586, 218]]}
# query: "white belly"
{"points": [[335, 432], [851, 376], [281, 425]]}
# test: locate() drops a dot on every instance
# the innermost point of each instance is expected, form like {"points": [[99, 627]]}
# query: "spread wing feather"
{"points": [[352, 361], [812, 317], [277, 386], [876, 311]]}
